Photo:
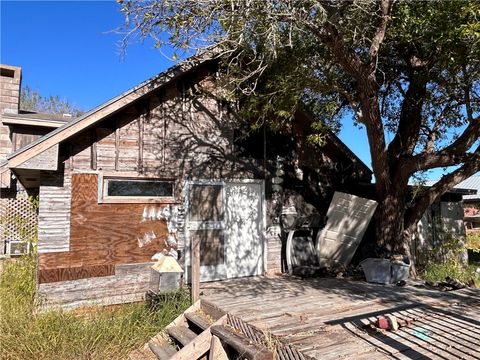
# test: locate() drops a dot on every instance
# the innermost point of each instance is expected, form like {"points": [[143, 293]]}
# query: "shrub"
{"points": [[473, 241]]}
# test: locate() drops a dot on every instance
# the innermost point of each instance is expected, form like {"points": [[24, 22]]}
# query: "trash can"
{"points": [[400, 269], [386, 271], [377, 270]]}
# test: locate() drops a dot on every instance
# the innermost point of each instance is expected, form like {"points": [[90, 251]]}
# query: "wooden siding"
{"points": [[125, 286], [172, 134], [24, 135], [54, 213], [46, 160], [179, 132], [274, 250], [102, 234]]}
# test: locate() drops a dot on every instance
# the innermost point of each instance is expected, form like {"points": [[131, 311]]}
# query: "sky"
{"points": [[72, 49]]}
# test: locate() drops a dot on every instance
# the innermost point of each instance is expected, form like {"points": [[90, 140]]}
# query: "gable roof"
{"points": [[121, 101], [110, 107]]}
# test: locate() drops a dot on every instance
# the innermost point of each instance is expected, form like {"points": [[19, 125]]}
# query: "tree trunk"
{"points": [[389, 222], [406, 242], [391, 231]]}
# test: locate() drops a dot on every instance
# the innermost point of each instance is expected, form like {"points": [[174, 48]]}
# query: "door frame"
{"points": [[223, 183]]}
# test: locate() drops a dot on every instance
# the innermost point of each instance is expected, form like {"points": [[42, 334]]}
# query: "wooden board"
{"points": [[329, 318], [54, 213], [105, 234], [46, 160], [74, 273]]}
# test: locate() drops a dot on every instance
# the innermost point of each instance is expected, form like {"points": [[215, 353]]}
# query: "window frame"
{"points": [[103, 196]]}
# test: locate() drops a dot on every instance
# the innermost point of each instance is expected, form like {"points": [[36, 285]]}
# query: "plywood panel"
{"points": [[74, 273], [206, 203], [212, 246], [106, 234]]}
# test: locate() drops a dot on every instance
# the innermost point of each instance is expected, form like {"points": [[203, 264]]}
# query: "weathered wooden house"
{"points": [[164, 163]]}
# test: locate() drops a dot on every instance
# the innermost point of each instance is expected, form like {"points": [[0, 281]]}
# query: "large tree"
{"points": [[405, 70], [32, 100]]}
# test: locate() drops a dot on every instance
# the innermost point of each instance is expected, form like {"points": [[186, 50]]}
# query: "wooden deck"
{"points": [[328, 318]]}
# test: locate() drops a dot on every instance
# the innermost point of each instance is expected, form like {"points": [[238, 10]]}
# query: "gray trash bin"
{"points": [[377, 270]]}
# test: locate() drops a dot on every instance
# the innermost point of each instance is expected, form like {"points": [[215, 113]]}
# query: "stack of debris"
{"points": [[449, 284]]}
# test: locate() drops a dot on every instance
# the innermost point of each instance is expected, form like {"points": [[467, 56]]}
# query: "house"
{"points": [[17, 129], [471, 204], [164, 163], [444, 219]]}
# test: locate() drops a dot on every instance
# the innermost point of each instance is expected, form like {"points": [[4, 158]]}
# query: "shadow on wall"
{"points": [[227, 221]]}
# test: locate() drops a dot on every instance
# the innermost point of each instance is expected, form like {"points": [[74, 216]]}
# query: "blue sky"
{"points": [[71, 49]]}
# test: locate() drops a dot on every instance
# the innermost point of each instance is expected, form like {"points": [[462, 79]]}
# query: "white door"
{"points": [[226, 218], [348, 217], [244, 229]]}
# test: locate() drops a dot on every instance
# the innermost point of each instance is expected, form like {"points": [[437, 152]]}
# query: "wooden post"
{"points": [[217, 352], [195, 268], [117, 143], [93, 149]]}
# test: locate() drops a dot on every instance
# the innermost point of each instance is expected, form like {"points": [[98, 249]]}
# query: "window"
{"points": [[131, 189]]}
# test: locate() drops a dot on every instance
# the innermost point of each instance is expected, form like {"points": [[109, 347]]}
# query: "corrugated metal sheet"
{"points": [[472, 182]]}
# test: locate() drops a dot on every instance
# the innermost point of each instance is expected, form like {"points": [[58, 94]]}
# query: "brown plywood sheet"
{"points": [[74, 273], [105, 234]]}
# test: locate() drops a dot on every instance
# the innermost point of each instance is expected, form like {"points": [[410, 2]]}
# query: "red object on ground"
{"points": [[388, 322], [382, 322]]}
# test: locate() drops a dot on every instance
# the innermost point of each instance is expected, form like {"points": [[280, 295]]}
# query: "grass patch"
{"points": [[438, 272], [108, 333]]}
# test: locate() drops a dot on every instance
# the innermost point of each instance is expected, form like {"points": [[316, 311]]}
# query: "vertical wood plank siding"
{"points": [[54, 213]]}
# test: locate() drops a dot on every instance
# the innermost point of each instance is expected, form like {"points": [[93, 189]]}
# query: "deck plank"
{"points": [[328, 318]]}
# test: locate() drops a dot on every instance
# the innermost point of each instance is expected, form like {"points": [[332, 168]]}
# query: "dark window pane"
{"points": [[206, 203], [212, 246], [139, 188]]}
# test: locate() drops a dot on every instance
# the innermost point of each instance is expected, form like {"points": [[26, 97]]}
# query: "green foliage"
{"points": [[277, 50], [473, 241], [99, 334], [449, 250], [439, 272], [445, 262], [32, 100]]}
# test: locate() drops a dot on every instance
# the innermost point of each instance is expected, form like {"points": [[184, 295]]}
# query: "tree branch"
{"points": [[465, 141], [385, 7], [410, 117], [426, 161], [413, 214], [433, 132]]}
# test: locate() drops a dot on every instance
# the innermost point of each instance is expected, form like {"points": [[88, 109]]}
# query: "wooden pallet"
{"points": [[203, 331]]}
